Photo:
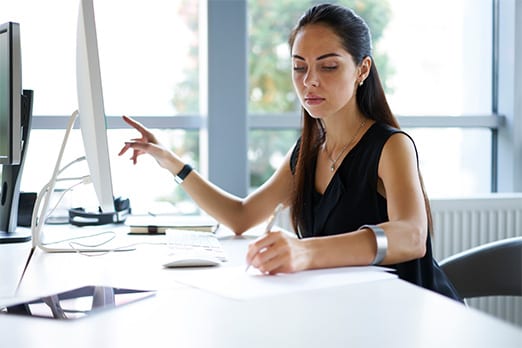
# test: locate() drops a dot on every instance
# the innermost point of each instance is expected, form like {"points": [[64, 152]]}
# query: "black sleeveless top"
{"points": [[351, 200]]}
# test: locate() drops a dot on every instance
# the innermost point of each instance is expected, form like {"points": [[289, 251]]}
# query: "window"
{"points": [[436, 65], [149, 62], [438, 61], [433, 62], [147, 53]]}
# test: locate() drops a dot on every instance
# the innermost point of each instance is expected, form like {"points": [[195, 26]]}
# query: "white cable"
{"points": [[45, 191], [79, 159], [83, 180], [39, 215], [111, 236], [36, 224]]}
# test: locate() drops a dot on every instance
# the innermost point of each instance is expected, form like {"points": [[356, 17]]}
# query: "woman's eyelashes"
{"points": [[329, 67], [303, 69]]}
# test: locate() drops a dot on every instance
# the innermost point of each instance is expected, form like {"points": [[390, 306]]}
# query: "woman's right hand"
{"points": [[150, 145]]}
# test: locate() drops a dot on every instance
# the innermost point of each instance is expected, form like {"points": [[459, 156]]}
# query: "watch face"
{"points": [[76, 303]]}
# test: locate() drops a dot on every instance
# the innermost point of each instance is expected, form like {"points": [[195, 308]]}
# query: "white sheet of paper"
{"points": [[234, 282]]}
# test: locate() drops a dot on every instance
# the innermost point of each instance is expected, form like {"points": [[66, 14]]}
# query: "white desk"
{"points": [[387, 313]]}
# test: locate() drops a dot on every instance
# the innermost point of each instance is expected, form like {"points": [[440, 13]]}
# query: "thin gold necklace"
{"points": [[332, 161]]}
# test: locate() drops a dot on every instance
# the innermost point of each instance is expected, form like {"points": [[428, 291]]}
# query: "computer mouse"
{"points": [[191, 261]]}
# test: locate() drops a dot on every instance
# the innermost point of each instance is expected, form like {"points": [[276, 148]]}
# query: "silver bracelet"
{"points": [[381, 240]]}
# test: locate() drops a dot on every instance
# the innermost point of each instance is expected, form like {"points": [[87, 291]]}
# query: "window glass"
{"points": [[434, 57], [454, 162], [270, 84], [48, 33], [438, 57], [148, 58], [143, 183], [266, 151], [148, 54], [431, 60], [147, 182]]}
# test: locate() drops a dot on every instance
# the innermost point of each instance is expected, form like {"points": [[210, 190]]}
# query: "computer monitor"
{"points": [[15, 122], [10, 94], [93, 123]]}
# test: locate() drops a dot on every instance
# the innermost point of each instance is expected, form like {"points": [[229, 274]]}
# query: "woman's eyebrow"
{"points": [[327, 55]]}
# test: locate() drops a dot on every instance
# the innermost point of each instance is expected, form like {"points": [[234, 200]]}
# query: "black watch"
{"points": [[183, 173]]}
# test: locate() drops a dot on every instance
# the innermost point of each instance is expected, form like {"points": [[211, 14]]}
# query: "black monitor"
{"points": [[10, 94], [15, 124]]}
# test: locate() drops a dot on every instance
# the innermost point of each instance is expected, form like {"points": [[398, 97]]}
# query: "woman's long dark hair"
{"points": [[371, 100]]}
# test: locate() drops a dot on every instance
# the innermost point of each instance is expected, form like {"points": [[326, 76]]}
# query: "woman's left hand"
{"points": [[277, 252]]}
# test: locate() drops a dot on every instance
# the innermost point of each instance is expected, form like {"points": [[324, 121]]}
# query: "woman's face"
{"points": [[324, 73]]}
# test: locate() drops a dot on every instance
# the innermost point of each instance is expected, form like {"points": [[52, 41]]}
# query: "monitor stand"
{"points": [[10, 185], [15, 237]]}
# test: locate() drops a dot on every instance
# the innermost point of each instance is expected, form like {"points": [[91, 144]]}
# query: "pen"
{"points": [[270, 224]]}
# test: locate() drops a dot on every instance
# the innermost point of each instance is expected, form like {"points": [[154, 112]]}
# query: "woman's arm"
{"points": [[236, 213], [239, 214], [406, 230]]}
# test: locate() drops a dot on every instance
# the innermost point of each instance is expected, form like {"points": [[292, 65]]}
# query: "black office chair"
{"points": [[492, 269]]}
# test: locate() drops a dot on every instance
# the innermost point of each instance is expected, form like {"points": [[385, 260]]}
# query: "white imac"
{"points": [[93, 124], [94, 133]]}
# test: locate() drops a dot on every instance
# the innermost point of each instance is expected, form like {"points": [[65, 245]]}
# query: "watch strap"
{"points": [[183, 173]]}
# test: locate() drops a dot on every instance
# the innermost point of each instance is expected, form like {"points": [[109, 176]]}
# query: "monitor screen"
{"points": [[10, 94], [91, 108]]}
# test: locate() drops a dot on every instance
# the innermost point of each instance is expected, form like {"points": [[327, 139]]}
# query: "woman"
{"points": [[352, 180]]}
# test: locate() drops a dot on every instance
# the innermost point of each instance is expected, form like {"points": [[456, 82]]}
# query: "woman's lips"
{"points": [[313, 100]]}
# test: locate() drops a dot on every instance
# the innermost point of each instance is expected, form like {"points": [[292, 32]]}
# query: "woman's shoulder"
{"points": [[380, 133], [392, 144], [383, 130]]}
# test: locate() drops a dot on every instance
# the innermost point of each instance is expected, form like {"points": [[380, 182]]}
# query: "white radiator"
{"points": [[463, 223]]}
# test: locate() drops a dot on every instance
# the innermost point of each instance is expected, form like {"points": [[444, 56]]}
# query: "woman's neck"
{"points": [[340, 130]]}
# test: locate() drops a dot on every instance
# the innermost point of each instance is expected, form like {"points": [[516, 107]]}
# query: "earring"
{"points": [[361, 82]]}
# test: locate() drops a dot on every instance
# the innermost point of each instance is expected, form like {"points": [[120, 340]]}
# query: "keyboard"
{"points": [[194, 243]]}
